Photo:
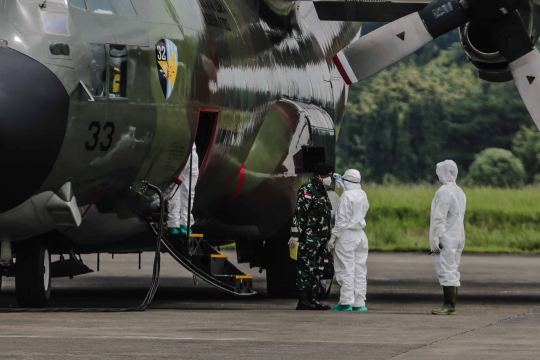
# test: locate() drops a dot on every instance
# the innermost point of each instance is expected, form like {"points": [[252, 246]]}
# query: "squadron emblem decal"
{"points": [[167, 61]]}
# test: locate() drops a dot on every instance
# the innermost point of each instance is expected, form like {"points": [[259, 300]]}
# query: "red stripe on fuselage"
{"points": [[240, 186], [342, 70], [285, 116], [94, 198]]}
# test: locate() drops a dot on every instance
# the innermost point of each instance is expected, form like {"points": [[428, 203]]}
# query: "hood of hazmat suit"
{"points": [[447, 171], [447, 224], [351, 179], [351, 248]]}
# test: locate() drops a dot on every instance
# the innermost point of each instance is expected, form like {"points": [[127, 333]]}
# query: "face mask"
{"points": [[327, 181]]}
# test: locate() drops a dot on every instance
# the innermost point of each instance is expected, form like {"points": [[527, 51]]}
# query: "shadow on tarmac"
{"points": [[184, 295]]}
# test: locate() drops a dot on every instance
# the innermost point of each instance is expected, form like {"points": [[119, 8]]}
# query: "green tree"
{"points": [[526, 146], [443, 111], [379, 132], [421, 137], [497, 168]]}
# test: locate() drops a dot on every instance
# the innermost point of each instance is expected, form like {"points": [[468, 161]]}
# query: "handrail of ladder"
{"points": [[195, 270]]}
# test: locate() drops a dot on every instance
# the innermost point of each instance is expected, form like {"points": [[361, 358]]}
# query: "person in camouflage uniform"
{"points": [[311, 231]]}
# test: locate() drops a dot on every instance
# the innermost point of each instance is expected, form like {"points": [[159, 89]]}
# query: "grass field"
{"points": [[497, 220]]}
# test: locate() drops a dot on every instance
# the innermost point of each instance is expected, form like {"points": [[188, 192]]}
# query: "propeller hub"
{"points": [[33, 121], [477, 41]]}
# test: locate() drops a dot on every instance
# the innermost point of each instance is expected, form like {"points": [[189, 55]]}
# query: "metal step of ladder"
{"points": [[205, 262]]}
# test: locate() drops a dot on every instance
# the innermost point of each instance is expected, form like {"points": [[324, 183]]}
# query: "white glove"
{"points": [[293, 241], [331, 243], [435, 246]]}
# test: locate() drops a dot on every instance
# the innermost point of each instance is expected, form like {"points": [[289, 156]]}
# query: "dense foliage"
{"points": [[430, 107], [497, 220], [497, 168]]}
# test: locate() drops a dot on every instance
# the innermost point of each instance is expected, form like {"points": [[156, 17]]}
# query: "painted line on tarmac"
{"points": [[127, 337]]}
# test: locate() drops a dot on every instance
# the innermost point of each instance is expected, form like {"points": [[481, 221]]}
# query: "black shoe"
{"points": [[304, 303], [318, 305]]}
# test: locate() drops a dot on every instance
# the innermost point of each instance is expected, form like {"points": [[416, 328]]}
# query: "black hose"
{"points": [[189, 195], [153, 286]]}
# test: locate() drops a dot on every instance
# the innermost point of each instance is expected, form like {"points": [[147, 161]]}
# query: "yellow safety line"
{"points": [[219, 256], [244, 277], [196, 235]]}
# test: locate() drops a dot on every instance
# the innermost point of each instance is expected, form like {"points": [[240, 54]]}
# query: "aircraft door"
{"points": [[206, 131]]}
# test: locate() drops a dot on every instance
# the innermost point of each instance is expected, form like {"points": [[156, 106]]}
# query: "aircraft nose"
{"points": [[34, 109]]}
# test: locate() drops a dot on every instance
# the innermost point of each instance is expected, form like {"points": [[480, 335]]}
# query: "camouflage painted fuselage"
{"points": [[263, 65]]}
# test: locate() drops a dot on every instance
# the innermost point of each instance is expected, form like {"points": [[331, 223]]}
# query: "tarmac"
{"points": [[499, 316]]}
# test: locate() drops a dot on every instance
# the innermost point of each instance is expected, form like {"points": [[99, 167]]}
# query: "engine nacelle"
{"points": [[482, 52]]}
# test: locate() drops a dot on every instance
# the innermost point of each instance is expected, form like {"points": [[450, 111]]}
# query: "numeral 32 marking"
{"points": [[162, 53]]}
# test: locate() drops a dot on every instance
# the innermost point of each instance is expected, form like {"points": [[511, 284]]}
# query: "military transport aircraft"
{"points": [[98, 96]]}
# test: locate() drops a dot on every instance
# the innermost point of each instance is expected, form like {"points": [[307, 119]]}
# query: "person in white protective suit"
{"points": [[447, 234], [177, 205], [351, 243]]}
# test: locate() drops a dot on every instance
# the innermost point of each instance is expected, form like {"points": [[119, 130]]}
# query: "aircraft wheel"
{"points": [[33, 277], [281, 272]]}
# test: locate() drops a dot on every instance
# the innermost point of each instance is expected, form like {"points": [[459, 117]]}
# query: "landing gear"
{"points": [[33, 277], [281, 269]]}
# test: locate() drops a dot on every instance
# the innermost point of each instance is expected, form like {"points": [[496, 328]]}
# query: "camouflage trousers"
{"points": [[309, 264]]}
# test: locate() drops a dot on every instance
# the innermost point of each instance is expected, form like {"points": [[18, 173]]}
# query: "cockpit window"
{"points": [[55, 23], [99, 71], [78, 4], [124, 7], [102, 7], [117, 71]]}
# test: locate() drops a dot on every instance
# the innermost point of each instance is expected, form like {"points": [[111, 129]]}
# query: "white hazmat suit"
{"points": [[351, 245], [447, 224], [178, 204]]}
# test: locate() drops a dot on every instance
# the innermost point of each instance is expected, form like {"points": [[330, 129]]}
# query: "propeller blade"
{"points": [[526, 73], [513, 41], [389, 44], [381, 48]]}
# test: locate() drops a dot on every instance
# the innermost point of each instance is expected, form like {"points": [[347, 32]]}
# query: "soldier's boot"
{"points": [[450, 299], [318, 305], [303, 302]]}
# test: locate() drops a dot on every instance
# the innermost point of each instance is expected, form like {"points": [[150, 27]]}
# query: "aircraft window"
{"points": [[101, 7], [117, 71], [55, 23], [99, 71], [78, 4], [124, 7], [63, 2]]}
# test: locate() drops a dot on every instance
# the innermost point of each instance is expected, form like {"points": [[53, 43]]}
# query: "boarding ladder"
{"points": [[206, 263]]}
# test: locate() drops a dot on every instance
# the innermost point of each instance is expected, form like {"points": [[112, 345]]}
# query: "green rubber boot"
{"points": [[360, 308], [184, 231], [450, 299], [339, 307], [174, 231]]}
